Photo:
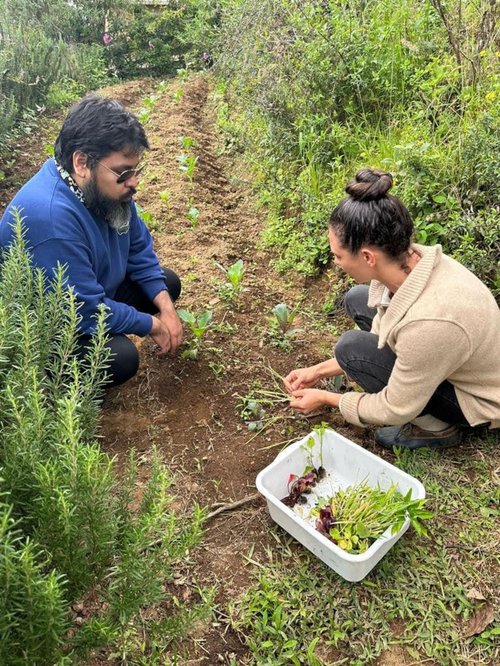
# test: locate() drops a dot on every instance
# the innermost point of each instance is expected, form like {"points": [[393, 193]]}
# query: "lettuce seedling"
{"points": [[186, 142], [234, 286], [299, 486], [281, 324], [198, 325], [187, 164], [193, 215]]}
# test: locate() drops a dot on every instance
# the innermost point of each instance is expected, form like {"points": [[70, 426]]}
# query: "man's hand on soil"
{"points": [[161, 336], [173, 324], [167, 329]]}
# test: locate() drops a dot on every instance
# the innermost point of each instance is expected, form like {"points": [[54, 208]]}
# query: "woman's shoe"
{"points": [[410, 436]]}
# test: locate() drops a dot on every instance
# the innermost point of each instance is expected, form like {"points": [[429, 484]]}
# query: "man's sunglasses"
{"points": [[124, 175]]}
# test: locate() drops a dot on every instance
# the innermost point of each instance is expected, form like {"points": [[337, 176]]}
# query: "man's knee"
{"points": [[173, 282], [124, 360]]}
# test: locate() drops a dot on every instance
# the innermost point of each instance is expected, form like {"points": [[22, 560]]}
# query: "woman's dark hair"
{"points": [[371, 216], [98, 126]]}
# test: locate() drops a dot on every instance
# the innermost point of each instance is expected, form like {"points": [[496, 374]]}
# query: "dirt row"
{"points": [[191, 409]]}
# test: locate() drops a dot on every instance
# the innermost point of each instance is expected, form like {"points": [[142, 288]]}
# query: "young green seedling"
{"points": [[149, 104], [143, 115], [150, 101], [165, 196], [198, 325], [281, 324], [151, 223], [234, 286], [177, 95], [186, 142], [310, 446], [252, 413], [284, 317], [193, 215], [187, 164]]}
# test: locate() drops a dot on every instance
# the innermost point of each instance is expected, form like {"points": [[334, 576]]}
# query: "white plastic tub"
{"points": [[347, 463]]}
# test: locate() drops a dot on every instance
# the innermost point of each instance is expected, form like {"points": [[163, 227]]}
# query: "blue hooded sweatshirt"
{"points": [[59, 229]]}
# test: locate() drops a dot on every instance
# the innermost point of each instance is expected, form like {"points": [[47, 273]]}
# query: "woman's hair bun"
{"points": [[369, 184]]}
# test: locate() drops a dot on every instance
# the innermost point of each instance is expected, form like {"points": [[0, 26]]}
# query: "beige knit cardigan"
{"points": [[442, 323]]}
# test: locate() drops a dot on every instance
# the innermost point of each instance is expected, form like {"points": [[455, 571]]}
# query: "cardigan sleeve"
{"points": [[427, 353]]}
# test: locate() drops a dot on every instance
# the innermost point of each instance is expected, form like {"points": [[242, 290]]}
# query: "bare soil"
{"points": [[191, 409]]}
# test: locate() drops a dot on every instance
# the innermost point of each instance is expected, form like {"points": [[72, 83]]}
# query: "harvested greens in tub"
{"points": [[355, 516]]}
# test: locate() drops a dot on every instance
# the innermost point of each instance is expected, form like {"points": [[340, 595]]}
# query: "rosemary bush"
{"points": [[150, 542], [58, 480], [71, 523], [32, 608]]}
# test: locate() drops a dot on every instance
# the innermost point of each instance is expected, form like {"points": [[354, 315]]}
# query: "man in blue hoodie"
{"points": [[78, 211]]}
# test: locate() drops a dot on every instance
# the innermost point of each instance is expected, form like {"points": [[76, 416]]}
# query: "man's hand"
{"points": [[174, 326], [308, 400], [161, 336], [167, 329]]}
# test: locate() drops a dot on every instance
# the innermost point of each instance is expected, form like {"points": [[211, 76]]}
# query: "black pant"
{"points": [[370, 367], [124, 359]]}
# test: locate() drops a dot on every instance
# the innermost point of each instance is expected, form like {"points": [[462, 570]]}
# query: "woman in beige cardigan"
{"points": [[428, 353]]}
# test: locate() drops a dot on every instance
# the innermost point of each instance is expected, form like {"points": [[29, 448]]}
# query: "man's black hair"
{"points": [[97, 127]]}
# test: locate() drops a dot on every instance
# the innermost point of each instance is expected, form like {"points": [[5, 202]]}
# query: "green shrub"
{"points": [[43, 61], [30, 62], [315, 91], [473, 239], [150, 542], [480, 165], [92, 528], [147, 42], [33, 613], [92, 69], [58, 480]]}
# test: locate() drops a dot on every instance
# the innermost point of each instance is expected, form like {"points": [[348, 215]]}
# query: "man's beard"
{"points": [[116, 213]]}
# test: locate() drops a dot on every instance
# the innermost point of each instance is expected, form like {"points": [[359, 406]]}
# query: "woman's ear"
{"points": [[80, 164], [369, 256]]}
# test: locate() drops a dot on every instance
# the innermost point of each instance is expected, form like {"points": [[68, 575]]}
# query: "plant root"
{"points": [[232, 505]]}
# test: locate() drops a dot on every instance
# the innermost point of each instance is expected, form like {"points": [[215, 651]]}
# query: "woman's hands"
{"points": [[301, 378], [306, 401], [299, 383]]}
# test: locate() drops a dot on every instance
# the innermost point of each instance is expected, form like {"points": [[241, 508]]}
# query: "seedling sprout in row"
{"points": [[281, 325], [198, 325], [193, 215], [234, 285], [186, 142], [187, 164]]}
